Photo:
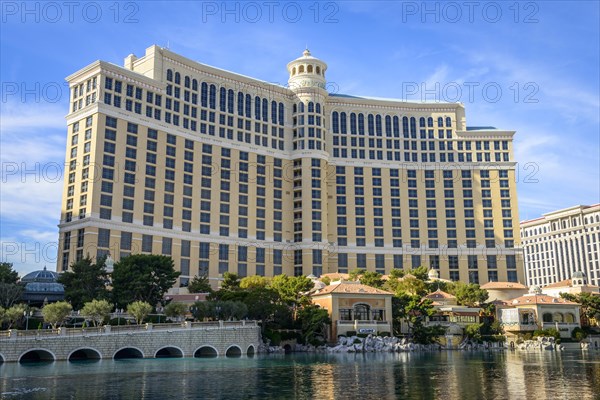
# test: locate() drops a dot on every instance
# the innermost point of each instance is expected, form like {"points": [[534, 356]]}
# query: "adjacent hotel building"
{"points": [[562, 243], [228, 173]]}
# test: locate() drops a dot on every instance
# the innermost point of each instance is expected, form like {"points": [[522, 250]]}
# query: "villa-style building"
{"points": [[452, 316], [534, 311], [354, 307]]}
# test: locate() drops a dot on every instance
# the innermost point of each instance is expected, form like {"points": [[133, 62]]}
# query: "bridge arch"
{"points": [[250, 351], [37, 355], [1, 358], [206, 351], [84, 353], [169, 352], [233, 351], [128, 352]]}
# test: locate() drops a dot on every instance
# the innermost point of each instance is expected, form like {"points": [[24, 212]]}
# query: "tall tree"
{"points": [[139, 310], [200, 284], [86, 281], [96, 310], [314, 321], [7, 273], [590, 304], [10, 293], [468, 294], [231, 281], [56, 313], [143, 277], [254, 281], [292, 289]]}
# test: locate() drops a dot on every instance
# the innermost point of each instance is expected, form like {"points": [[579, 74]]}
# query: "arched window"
{"points": [[240, 107], [204, 94], [230, 95], [396, 126], [257, 108], [212, 97], [301, 107], [309, 69], [413, 127], [194, 84], [222, 98], [318, 108], [301, 69], [281, 114], [430, 122], [248, 106], [187, 81], [378, 125], [448, 122], [293, 71], [557, 317], [361, 312], [547, 317], [177, 78], [405, 126], [343, 127], [440, 122], [265, 110], [388, 126], [318, 70], [569, 318], [370, 125], [311, 107], [335, 122], [422, 122], [170, 75], [361, 124], [274, 111], [294, 108], [353, 123]]}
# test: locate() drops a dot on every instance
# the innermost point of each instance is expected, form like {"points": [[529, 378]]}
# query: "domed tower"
{"points": [[310, 158]]}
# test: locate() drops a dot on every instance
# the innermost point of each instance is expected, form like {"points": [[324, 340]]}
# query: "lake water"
{"points": [[444, 375]]}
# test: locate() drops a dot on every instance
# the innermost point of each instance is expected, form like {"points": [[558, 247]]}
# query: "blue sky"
{"points": [[532, 67]]}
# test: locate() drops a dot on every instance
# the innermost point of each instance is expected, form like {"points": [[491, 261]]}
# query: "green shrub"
{"points": [[351, 333], [357, 341], [362, 335], [578, 334], [383, 334]]}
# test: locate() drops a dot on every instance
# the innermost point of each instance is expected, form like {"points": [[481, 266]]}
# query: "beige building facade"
{"points": [[228, 173], [562, 243]]}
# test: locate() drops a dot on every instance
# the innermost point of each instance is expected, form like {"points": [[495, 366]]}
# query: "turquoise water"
{"points": [[444, 375]]}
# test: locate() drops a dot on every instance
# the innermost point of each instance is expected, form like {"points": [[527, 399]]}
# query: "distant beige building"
{"points": [[561, 243], [576, 285], [503, 291], [226, 173]]}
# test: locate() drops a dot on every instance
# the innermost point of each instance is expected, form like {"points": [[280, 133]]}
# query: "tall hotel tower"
{"points": [[228, 173]]}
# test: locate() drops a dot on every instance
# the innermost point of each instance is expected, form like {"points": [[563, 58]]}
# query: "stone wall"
{"points": [[181, 341]]}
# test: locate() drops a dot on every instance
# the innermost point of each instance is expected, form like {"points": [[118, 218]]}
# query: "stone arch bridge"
{"points": [[198, 339]]}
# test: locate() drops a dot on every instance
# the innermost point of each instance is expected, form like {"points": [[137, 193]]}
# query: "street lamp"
{"points": [[159, 310], [27, 315], [218, 312], [118, 315]]}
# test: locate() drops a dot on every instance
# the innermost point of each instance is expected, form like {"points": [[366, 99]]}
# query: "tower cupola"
{"points": [[306, 72]]}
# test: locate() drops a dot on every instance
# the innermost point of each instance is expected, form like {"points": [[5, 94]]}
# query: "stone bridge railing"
{"points": [[188, 339]]}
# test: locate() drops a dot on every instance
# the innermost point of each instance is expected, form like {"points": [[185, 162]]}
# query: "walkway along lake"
{"points": [[436, 375]]}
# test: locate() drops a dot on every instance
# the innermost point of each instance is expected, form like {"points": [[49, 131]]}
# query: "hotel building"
{"points": [[228, 173], [562, 243]]}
